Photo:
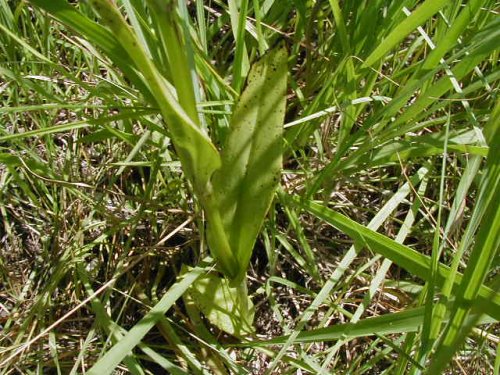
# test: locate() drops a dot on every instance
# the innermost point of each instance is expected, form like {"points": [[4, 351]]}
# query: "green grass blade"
{"points": [[348, 258], [238, 13], [485, 249], [116, 332], [380, 275], [97, 34], [118, 352], [480, 51], [432, 323], [417, 18], [67, 14], [448, 40], [173, 44], [463, 141], [72, 126], [310, 265], [198, 155], [401, 322], [414, 262]]}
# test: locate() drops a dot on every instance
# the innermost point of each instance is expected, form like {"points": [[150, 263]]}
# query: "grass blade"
{"points": [[119, 351], [417, 18], [400, 322], [414, 262], [485, 249]]}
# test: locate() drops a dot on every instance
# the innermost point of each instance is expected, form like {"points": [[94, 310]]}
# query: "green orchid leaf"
{"points": [[223, 305], [252, 157], [198, 155]]}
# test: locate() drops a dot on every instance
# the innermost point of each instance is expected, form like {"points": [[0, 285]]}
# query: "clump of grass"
{"points": [[377, 254]]}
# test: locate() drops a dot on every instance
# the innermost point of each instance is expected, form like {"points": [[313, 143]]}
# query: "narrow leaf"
{"points": [[92, 31], [417, 18], [486, 247], [119, 351], [405, 257], [198, 155], [400, 322]]}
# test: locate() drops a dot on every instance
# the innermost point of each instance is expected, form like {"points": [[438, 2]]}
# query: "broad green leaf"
{"points": [[198, 156], [405, 257], [223, 305], [252, 156]]}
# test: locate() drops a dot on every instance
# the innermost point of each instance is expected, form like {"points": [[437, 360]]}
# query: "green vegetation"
{"points": [[262, 187]]}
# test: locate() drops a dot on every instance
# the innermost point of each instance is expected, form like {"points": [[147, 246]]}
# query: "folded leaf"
{"points": [[224, 306], [199, 157]]}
